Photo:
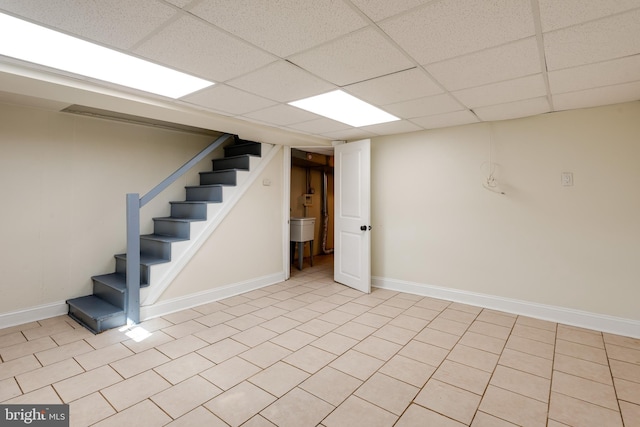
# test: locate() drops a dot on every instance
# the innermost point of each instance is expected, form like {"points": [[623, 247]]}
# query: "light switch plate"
{"points": [[567, 179]]}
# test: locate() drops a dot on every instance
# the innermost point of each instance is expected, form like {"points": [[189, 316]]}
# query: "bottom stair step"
{"points": [[95, 313]]}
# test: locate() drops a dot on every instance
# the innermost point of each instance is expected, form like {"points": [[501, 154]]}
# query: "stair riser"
{"points": [[189, 210], [209, 194], [219, 177], [232, 163], [94, 325], [172, 228], [121, 267], [110, 295], [237, 150], [155, 248]]}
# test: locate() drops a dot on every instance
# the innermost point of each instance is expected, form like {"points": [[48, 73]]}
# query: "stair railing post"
{"points": [[132, 304]]}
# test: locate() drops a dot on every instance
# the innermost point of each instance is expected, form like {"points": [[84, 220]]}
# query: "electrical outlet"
{"points": [[567, 179]]}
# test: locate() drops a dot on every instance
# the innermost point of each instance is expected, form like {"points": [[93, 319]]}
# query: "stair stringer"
{"points": [[162, 275]]}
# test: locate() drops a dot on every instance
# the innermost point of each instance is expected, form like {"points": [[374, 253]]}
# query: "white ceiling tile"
{"points": [[211, 53], [282, 115], [437, 104], [517, 59], [319, 126], [117, 23], [621, 70], [283, 27], [503, 92], [556, 14], [448, 119], [595, 41], [445, 29], [390, 128], [227, 99], [353, 58], [599, 96], [381, 9], [402, 86], [514, 110], [283, 82], [348, 135]]}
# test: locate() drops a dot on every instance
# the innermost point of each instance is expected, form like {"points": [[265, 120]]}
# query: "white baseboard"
{"points": [[33, 314], [568, 316], [188, 301]]}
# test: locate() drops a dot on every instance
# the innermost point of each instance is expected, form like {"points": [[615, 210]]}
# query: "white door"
{"points": [[352, 200]]}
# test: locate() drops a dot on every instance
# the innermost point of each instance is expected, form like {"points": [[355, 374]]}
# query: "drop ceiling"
{"points": [[432, 63]]}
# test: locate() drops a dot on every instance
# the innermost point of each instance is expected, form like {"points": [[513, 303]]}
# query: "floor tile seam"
{"points": [[358, 397], [615, 389], [521, 394], [627, 346], [588, 402], [491, 415], [584, 377], [378, 406], [578, 357], [447, 416], [581, 343], [516, 334], [631, 380]]}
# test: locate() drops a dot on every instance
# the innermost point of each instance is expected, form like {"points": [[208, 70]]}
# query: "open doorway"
{"points": [[311, 201]]}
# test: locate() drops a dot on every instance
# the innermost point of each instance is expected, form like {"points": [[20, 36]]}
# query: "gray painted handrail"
{"points": [[134, 204]]}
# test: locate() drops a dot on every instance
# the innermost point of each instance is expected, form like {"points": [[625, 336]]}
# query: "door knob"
{"points": [[365, 228]]}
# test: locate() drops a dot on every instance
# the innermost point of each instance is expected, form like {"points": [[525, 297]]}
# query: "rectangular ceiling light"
{"points": [[29, 42], [345, 108]]}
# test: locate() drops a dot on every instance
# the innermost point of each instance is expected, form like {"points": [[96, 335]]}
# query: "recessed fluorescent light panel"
{"points": [[341, 106], [29, 42]]}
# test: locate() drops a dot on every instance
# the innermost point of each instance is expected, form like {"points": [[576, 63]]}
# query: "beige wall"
{"points": [[63, 181], [576, 247]]}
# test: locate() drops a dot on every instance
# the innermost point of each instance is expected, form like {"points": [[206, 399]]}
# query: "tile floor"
{"points": [[310, 352]]}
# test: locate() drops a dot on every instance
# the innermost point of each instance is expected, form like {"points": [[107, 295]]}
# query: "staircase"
{"points": [[105, 308]]}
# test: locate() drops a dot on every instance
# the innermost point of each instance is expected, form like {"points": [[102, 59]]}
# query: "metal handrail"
{"points": [[134, 204]]}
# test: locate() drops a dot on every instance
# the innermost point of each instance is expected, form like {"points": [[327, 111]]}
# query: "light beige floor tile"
{"points": [[154, 324], [422, 352], [622, 341], [334, 343], [422, 313], [185, 396], [67, 337], [432, 303], [387, 393], [628, 391], [136, 389], [537, 323], [529, 346], [182, 346], [386, 310], [155, 339], [368, 300], [253, 336], [140, 362], [46, 331], [103, 356], [395, 334], [625, 370], [198, 417], [281, 324], [217, 333], [44, 395], [242, 309], [355, 330], [514, 407], [587, 390], [269, 312], [9, 389], [182, 316], [293, 305], [630, 414], [623, 354], [472, 309], [331, 385], [263, 302], [458, 315], [437, 338], [448, 400], [235, 300], [310, 359], [237, 405], [279, 378], [259, 421], [293, 339], [230, 372], [283, 295], [356, 412], [353, 308], [47, 375], [337, 317], [583, 368], [245, 322], [212, 307], [373, 320], [483, 342], [473, 357], [184, 367], [462, 376], [417, 416], [407, 322], [548, 337], [26, 348], [265, 354], [183, 329], [378, 348], [144, 414], [522, 383], [526, 362], [18, 366], [497, 318], [490, 329], [357, 364], [308, 298], [449, 326], [485, 420], [214, 319], [316, 327], [106, 338], [297, 408], [18, 328], [575, 412], [89, 410], [222, 350], [87, 383], [580, 336], [408, 370], [12, 339], [400, 302]]}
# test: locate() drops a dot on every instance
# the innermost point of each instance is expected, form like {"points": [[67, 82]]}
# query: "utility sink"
{"points": [[302, 229]]}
